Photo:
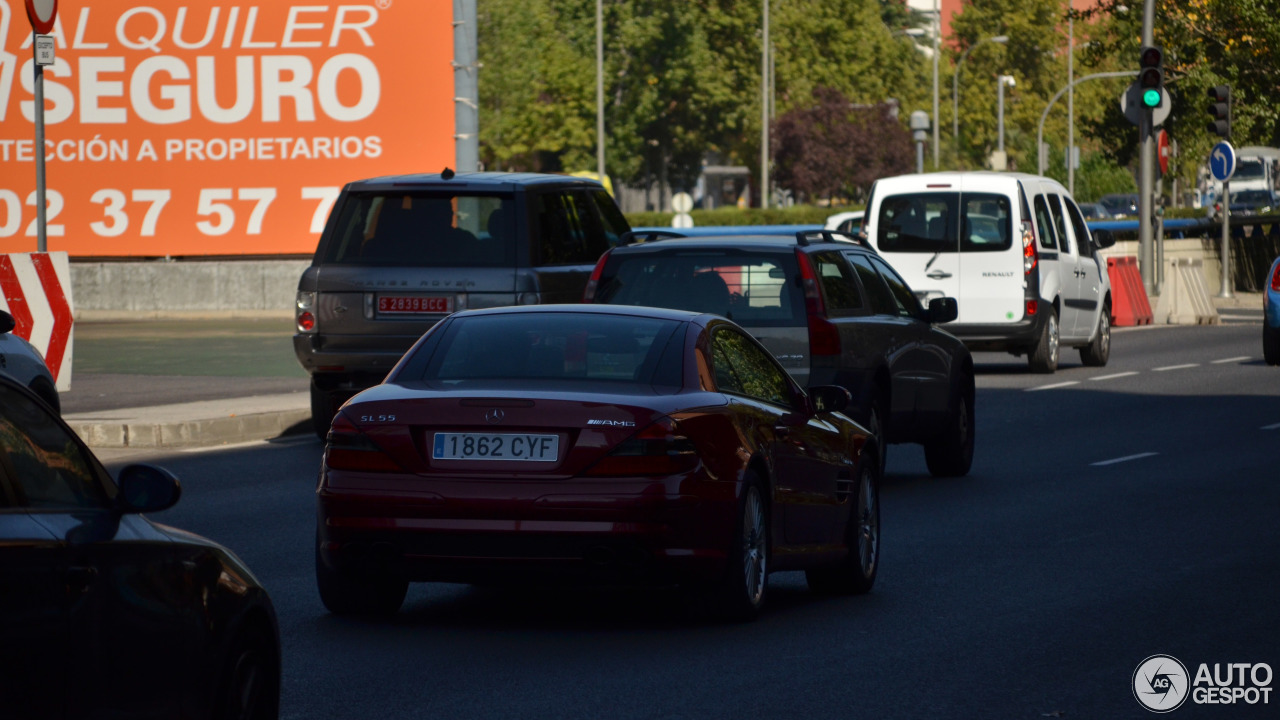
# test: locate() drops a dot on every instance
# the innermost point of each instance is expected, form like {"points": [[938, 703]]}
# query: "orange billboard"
{"points": [[216, 128]]}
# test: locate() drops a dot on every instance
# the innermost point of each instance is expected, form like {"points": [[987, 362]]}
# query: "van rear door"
{"points": [[918, 232], [991, 275]]}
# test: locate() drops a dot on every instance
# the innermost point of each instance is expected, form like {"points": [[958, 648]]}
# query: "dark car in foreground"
{"points": [[105, 613], [1271, 316], [594, 444], [832, 311], [22, 362]]}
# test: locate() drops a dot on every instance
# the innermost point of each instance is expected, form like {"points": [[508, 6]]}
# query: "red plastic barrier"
{"points": [[1129, 303]]}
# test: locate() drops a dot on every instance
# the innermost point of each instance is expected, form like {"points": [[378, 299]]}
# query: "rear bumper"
{"points": [[673, 529], [321, 353], [1020, 335]]}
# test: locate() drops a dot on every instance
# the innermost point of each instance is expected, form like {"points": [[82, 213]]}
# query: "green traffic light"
{"points": [[1151, 97]]}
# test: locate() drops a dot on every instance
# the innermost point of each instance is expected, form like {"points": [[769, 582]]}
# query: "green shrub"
{"points": [[794, 215]]}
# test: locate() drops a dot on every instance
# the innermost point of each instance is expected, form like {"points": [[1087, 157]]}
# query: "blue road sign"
{"points": [[1222, 161]]}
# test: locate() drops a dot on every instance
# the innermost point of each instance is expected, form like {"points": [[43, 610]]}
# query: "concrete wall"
{"points": [[267, 288], [230, 288], [1251, 258]]}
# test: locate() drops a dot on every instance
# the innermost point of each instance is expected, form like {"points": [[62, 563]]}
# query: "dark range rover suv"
{"points": [[400, 253]]}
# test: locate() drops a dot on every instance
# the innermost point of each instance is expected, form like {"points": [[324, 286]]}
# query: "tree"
{"points": [[1206, 43], [834, 148], [1035, 56]]}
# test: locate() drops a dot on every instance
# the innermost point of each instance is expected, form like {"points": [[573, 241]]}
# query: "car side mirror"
{"points": [[829, 398], [1104, 238], [7, 323], [147, 488], [943, 310]]}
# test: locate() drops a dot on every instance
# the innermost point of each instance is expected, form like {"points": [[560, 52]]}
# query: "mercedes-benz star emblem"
{"points": [[494, 416]]}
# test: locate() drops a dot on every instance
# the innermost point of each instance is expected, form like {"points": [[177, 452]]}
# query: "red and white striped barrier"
{"points": [[37, 293]]}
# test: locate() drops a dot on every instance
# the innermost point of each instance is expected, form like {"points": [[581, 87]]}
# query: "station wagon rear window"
{"points": [[944, 222], [750, 288], [421, 228]]}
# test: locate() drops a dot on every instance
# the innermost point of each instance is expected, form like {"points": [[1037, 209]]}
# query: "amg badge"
{"points": [[612, 423]]}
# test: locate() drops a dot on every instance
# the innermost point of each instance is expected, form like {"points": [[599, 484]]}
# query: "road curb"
{"points": [[197, 424]]}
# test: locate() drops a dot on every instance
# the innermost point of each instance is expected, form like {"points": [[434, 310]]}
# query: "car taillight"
{"points": [[824, 336], [659, 449], [306, 321], [1029, 255], [346, 448], [589, 294], [1275, 279]]}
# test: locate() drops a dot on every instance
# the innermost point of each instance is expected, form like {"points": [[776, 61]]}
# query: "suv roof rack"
{"points": [[644, 236], [803, 237]]}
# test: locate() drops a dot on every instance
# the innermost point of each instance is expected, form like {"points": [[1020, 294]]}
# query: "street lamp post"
{"points": [[764, 110], [955, 87], [600, 90], [937, 34], [1001, 82]]}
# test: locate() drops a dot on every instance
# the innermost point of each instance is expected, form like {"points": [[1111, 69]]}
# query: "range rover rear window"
{"points": [[944, 222], [416, 228]]}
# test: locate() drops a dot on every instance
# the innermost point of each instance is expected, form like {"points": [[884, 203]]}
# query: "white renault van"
{"points": [[1013, 249]]}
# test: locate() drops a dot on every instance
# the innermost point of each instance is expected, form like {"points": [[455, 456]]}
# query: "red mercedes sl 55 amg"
{"points": [[594, 443]]}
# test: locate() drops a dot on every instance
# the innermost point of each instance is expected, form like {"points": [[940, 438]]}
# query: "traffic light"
{"points": [[1220, 111], [1151, 77]]}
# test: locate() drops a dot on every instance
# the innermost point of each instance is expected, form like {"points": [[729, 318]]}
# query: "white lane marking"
{"points": [[1116, 375], [1223, 361], [1176, 367], [1055, 385], [1271, 427], [252, 443], [1126, 458]]}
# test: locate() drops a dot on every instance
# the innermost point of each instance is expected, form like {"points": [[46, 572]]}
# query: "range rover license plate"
{"points": [[395, 304], [496, 446]]}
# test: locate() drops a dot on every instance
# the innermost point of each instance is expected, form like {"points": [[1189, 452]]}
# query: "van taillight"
{"points": [[659, 449], [1275, 279], [346, 448], [824, 336], [589, 294], [1028, 247]]}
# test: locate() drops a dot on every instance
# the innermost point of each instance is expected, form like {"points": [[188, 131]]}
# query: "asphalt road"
{"points": [[1112, 514]]}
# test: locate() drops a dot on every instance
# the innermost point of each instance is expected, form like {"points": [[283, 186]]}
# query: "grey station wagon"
{"points": [[400, 253]]}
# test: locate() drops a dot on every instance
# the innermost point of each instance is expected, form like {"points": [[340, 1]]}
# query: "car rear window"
{"points": [[944, 222], [566, 347], [752, 288], [424, 228]]}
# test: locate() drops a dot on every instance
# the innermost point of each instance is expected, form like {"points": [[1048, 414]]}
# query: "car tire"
{"points": [[46, 392], [323, 409], [951, 453], [1271, 345], [856, 573], [1043, 358], [363, 593], [1096, 353], [742, 590], [249, 688], [877, 417]]}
